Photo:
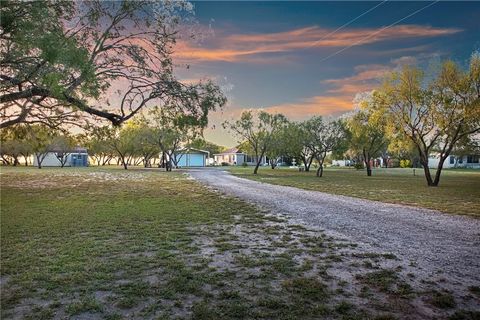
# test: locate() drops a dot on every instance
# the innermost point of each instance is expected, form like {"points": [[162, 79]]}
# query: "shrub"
{"points": [[405, 163], [358, 165], [225, 164], [244, 164]]}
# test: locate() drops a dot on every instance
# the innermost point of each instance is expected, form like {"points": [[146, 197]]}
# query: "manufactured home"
{"points": [[234, 157], [77, 157], [453, 161]]}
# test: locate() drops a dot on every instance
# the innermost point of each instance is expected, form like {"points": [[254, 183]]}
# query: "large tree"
{"points": [[13, 144], [258, 129], [62, 145], [172, 132], [107, 59], [122, 141], [296, 141], [324, 137], [98, 145], [434, 114], [40, 139], [367, 136]]}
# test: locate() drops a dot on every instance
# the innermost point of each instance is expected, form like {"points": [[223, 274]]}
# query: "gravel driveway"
{"points": [[435, 242]]}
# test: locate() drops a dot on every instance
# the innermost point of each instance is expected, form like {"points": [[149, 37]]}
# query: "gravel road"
{"points": [[435, 242]]}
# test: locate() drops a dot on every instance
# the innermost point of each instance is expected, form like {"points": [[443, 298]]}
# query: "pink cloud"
{"points": [[242, 47]]}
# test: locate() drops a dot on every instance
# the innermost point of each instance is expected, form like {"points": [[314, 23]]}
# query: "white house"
{"points": [[192, 158], [341, 163], [77, 157], [236, 157], [453, 161], [376, 162]]}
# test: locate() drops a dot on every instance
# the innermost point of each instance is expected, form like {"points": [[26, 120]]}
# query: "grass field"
{"points": [[112, 244], [458, 193]]}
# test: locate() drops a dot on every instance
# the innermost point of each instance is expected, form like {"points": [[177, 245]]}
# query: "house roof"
{"points": [[74, 150], [193, 149], [230, 151]]}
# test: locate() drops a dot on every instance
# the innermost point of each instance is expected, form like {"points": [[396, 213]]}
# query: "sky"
{"points": [[312, 58]]}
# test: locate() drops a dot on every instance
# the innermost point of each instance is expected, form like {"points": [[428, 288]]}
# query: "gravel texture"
{"points": [[436, 243]]}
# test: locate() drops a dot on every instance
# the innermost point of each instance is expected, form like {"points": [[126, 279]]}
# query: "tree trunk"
{"points": [[259, 160], [366, 158], [321, 161], [369, 168], [273, 164], [438, 173], [124, 162], [255, 171], [39, 163], [307, 163], [426, 169], [428, 176]]}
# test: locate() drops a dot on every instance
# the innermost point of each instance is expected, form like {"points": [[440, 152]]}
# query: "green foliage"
{"points": [[405, 163], [368, 139], [323, 137], [433, 113], [73, 56], [359, 165], [14, 143], [260, 130], [202, 144]]}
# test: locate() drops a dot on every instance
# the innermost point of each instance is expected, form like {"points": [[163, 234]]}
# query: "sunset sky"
{"points": [[287, 57]]}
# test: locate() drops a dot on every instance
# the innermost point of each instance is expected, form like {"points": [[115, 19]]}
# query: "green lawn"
{"points": [[458, 193], [114, 244]]}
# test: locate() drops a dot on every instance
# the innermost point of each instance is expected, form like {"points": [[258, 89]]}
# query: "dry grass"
{"points": [[105, 243], [458, 193]]}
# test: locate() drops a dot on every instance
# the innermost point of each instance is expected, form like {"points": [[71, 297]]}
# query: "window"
{"points": [[452, 159], [473, 159]]}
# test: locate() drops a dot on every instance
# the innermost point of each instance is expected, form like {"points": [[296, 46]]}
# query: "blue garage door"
{"points": [[196, 160], [183, 160]]}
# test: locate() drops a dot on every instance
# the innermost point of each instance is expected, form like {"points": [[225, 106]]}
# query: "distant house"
{"points": [[234, 156], [374, 163], [453, 161], [77, 157], [192, 158], [342, 163]]}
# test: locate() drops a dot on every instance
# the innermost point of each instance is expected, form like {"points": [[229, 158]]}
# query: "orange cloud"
{"points": [[366, 78], [240, 47], [318, 105], [339, 98]]}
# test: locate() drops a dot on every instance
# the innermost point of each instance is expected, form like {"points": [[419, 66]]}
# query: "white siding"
{"points": [[453, 162], [50, 160]]}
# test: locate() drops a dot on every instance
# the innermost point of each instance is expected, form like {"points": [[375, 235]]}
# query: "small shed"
{"points": [[192, 158], [77, 157]]}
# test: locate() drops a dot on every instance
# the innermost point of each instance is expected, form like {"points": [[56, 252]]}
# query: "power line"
{"points": [[377, 32], [346, 24]]}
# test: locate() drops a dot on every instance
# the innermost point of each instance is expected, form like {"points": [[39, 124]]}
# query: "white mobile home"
{"points": [[236, 157], [453, 161], [77, 157]]}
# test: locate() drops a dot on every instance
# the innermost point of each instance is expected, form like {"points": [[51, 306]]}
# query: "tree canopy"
{"points": [[435, 114], [61, 60]]}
